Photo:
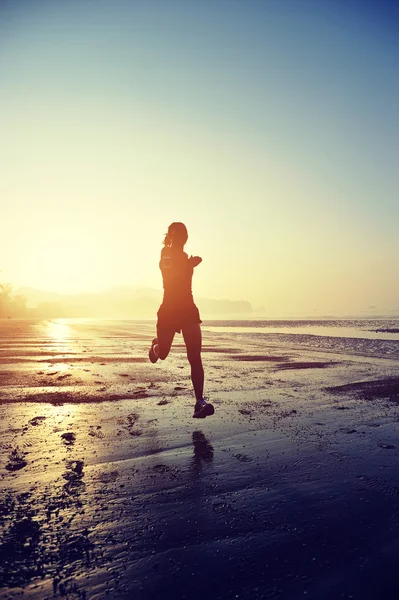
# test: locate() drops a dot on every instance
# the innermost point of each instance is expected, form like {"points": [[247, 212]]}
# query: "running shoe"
{"points": [[152, 355], [202, 409]]}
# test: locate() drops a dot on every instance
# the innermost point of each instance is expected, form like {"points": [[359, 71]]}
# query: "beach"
{"points": [[110, 489]]}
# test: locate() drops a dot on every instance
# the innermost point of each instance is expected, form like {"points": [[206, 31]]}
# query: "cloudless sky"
{"points": [[271, 128]]}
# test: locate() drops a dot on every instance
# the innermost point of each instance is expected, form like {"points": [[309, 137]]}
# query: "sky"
{"points": [[270, 128]]}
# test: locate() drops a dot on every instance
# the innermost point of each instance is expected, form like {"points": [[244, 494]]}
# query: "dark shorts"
{"points": [[172, 319]]}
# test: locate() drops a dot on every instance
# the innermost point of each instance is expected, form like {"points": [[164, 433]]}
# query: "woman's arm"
{"points": [[195, 260]]}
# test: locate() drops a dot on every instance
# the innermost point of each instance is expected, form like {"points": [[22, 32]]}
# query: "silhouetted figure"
{"points": [[178, 313]]}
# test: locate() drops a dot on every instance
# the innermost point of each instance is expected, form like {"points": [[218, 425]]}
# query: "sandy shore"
{"points": [[110, 489]]}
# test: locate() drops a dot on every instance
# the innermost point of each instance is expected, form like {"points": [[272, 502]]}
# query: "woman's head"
{"points": [[177, 235]]}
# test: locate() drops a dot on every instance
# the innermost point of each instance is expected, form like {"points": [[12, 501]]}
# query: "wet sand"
{"points": [[110, 489]]}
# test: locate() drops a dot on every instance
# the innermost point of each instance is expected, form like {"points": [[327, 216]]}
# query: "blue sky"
{"points": [[271, 128]]}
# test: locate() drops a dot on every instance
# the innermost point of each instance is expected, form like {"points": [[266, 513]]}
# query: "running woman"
{"points": [[178, 313]]}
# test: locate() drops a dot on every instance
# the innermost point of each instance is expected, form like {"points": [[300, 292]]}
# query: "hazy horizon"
{"points": [[271, 129], [129, 302]]}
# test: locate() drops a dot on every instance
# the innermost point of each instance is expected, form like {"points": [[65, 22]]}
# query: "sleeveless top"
{"points": [[177, 273]]}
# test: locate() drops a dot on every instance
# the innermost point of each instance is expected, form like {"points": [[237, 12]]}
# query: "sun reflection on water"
{"points": [[58, 330], [61, 335]]}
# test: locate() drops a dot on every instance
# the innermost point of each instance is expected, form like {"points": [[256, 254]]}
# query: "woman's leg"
{"points": [[193, 340], [164, 343]]}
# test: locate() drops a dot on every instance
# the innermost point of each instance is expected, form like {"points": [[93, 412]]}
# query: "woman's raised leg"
{"points": [[161, 345]]}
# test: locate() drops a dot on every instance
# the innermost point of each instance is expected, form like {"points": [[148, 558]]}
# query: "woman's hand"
{"points": [[195, 260]]}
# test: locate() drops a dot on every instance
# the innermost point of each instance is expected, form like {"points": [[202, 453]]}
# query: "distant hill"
{"points": [[120, 302]]}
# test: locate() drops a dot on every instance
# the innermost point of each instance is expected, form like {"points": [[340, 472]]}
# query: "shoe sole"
{"points": [[206, 411], [151, 355]]}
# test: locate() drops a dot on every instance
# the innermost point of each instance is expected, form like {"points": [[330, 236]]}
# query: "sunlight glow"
{"points": [[58, 330]]}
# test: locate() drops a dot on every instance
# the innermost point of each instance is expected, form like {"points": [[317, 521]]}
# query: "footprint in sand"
{"points": [[243, 457], [132, 420], [244, 411], [95, 431], [36, 420], [74, 475], [68, 438], [17, 460]]}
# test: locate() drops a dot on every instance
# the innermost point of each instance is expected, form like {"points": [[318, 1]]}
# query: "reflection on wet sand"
{"points": [[202, 457], [58, 330], [203, 450]]}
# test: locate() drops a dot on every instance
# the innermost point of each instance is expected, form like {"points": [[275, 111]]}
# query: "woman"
{"points": [[178, 313]]}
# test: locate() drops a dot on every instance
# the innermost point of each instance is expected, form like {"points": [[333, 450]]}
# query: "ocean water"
{"points": [[376, 329], [379, 337]]}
